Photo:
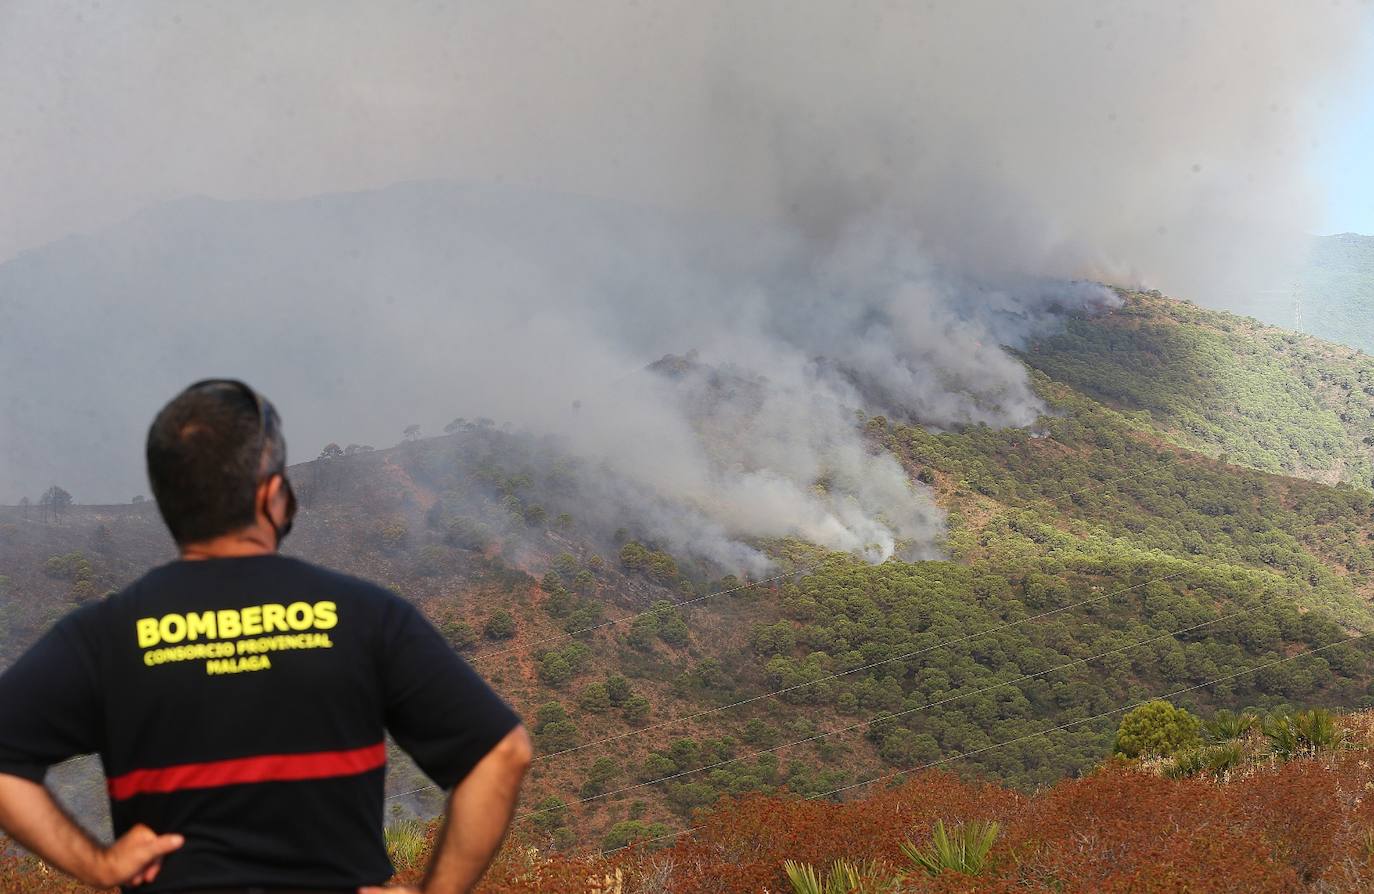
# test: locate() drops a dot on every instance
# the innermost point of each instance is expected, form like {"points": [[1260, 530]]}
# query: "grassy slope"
{"points": [[1124, 488], [1225, 386]]}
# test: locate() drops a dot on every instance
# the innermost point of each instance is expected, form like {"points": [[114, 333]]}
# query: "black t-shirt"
{"points": [[243, 704]]}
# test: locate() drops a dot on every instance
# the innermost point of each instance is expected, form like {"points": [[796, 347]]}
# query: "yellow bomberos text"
{"points": [[231, 623]]}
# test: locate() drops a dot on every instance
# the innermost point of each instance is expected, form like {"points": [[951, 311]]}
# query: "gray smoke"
{"points": [[837, 207]]}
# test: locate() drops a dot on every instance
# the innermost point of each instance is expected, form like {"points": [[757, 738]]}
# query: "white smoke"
{"points": [[838, 207]]}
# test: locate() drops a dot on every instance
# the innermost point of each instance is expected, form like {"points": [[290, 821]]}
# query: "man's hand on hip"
{"points": [[136, 858], [29, 814]]}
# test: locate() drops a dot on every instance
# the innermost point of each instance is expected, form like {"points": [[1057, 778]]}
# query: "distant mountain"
{"points": [[1335, 295], [348, 309], [1154, 533]]}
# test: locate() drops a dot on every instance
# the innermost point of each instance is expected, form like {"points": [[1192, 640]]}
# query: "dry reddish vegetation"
{"points": [[1305, 825]]}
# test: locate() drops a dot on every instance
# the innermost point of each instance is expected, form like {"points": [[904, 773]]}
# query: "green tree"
{"points": [[459, 634], [599, 777], [554, 669], [499, 626], [631, 830], [617, 689], [633, 556], [1156, 728], [636, 709], [643, 630], [594, 698], [672, 629]]}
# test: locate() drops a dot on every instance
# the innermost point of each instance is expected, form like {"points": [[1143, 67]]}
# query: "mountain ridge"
{"points": [[1104, 531]]}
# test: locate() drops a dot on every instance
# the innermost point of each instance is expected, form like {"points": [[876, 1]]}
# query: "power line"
{"points": [[697, 715], [941, 645], [884, 718], [1061, 727], [1085, 720], [907, 655], [742, 702], [800, 571]]}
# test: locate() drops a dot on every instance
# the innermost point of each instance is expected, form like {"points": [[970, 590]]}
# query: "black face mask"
{"points": [[285, 528]]}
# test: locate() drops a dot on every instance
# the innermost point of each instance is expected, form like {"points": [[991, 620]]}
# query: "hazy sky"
{"points": [[1344, 159], [903, 188], [110, 107]]}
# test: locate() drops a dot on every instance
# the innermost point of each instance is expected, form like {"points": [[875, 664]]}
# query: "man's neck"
{"points": [[250, 542]]}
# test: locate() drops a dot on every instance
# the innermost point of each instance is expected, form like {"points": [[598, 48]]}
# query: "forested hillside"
{"points": [[1192, 516], [1225, 386]]}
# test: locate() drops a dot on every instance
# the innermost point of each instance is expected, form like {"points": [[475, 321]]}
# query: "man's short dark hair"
{"points": [[204, 461]]}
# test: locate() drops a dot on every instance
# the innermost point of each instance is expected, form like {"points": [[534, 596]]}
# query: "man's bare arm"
{"points": [[479, 812], [29, 814]]}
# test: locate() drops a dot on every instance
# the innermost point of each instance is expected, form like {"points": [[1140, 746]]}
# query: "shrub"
{"points": [[1318, 730], [556, 736], [594, 698], [1226, 726], [83, 591], [1302, 734], [499, 626], [1222, 759], [459, 634], [548, 814], [671, 628], [844, 878], [1216, 761], [554, 669], [626, 832], [1187, 764], [468, 534], [636, 709], [1156, 728], [72, 567], [391, 534], [431, 561], [617, 689], [965, 851], [759, 732], [407, 842], [599, 776], [633, 556], [584, 616], [642, 631]]}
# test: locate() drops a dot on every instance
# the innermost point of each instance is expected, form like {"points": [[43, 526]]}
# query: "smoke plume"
{"points": [[833, 207]]}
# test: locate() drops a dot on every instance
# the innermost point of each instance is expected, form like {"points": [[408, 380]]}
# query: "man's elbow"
{"points": [[515, 751]]}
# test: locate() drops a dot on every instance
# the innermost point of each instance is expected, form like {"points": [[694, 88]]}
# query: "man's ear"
{"points": [[268, 493], [274, 500]]}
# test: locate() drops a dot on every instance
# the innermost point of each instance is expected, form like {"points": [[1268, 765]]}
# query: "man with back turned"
{"points": [[239, 699]]}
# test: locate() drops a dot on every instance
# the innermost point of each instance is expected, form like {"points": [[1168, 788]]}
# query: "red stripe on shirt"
{"points": [[264, 768]]}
